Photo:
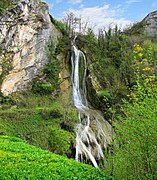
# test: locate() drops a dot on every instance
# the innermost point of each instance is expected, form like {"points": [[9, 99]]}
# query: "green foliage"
{"points": [[6, 66], [28, 115], [52, 70], [40, 2], [136, 29], [58, 24], [105, 97], [5, 100], [50, 50], [53, 67], [5, 4], [59, 140], [134, 153], [112, 62], [29, 100], [64, 45], [119, 64], [145, 70], [34, 117], [1, 50], [30, 125], [10, 138], [42, 88], [21, 161], [124, 69], [104, 93], [110, 59], [47, 113]]}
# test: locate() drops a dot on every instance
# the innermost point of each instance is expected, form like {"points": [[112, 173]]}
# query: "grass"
{"points": [[21, 161], [37, 120], [36, 127]]}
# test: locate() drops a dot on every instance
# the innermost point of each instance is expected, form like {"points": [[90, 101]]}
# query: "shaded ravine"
{"points": [[93, 133]]}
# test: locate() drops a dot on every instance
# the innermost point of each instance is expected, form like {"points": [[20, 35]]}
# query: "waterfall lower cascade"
{"points": [[93, 132]]}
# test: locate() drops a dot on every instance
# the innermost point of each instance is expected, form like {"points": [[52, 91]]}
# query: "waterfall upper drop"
{"points": [[93, 133]]}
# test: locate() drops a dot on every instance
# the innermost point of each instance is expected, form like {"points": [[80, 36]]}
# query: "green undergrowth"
{"points": [[21, 161], [40, 121]]}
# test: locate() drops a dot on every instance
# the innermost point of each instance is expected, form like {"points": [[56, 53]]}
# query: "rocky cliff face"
{"points": [[25, 31], [150, 22]]}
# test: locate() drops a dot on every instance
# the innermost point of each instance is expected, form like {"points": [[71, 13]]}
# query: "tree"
{"points": [[75, 24], [134, 153]]}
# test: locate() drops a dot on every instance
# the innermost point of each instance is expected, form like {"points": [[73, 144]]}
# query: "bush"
{"points": [[5, 99], [49, 113], [42, 88], [52, 70], [134, 156], [59, 140]]}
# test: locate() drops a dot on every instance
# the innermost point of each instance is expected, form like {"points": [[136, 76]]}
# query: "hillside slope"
{"points": [[21, 161]]}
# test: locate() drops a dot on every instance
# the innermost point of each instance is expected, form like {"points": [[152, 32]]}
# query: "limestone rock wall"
{"points": [[25, 30], [151, 24]]}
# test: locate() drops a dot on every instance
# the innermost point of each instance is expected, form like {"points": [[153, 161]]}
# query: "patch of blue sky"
{"points": [[104, 12]]}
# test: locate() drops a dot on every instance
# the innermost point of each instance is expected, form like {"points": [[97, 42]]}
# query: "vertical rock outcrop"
{"points": [[25, 31], [150, 22]]}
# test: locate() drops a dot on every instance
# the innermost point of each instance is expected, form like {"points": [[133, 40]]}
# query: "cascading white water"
{"points": [[93, 133]]}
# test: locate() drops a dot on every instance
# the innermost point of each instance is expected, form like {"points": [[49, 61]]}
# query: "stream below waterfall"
{"points": [[93, 132]]}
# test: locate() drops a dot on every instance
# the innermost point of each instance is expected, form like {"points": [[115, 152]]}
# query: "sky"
{"points": [[103, 13]]}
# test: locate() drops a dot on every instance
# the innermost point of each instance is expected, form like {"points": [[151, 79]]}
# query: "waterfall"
{"points": [[93, 133]]}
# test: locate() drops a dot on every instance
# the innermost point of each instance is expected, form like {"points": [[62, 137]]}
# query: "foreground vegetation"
{"points": [[134, 153], [39, 120], [21, 161]]}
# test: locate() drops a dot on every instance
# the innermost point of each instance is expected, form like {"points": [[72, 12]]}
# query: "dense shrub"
{"points": [[134, 155], [42, 88], [50, 113], [59, 140]]}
